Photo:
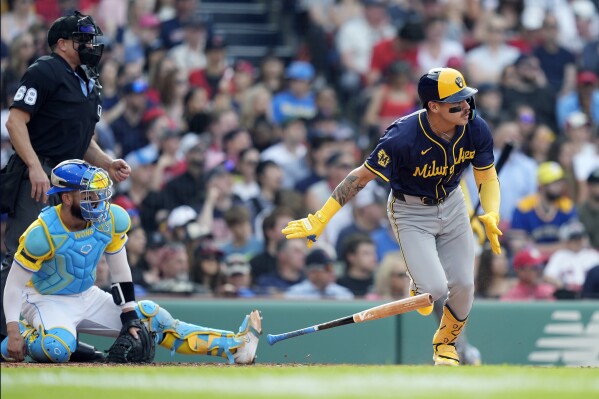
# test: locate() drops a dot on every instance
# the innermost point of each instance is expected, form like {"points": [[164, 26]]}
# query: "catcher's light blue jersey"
{"points": [[64, 262]]}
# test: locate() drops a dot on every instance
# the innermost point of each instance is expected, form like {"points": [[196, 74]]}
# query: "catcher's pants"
{"points": [[92, 312]]}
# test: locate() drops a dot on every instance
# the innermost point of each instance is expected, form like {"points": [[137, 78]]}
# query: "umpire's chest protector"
{"points": [[72, 269]]}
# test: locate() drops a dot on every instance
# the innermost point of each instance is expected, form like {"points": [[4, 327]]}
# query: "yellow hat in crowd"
{"points": [[549, 172]]}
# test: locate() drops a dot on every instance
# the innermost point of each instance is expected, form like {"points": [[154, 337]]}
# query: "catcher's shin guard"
{"points": [[190, 339], [185, 338], [444, 339]]}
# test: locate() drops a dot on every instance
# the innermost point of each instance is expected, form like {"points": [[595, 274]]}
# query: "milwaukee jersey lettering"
{"points": [[417, 162]]}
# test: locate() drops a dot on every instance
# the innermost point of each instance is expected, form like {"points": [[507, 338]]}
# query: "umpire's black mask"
{"points": [[90, 55], [86, 34]]}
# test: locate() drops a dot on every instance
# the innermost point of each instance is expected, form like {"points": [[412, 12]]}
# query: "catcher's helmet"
{"points": [[445, 85], [93, 183]]}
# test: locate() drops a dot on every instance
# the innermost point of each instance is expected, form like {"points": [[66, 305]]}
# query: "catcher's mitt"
{"points": [[127, 349]]}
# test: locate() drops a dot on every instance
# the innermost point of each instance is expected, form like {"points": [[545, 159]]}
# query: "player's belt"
{"points": [[411, 199]]}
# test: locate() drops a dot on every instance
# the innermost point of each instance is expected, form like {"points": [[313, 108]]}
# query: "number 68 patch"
{"points": [[29, 96]]}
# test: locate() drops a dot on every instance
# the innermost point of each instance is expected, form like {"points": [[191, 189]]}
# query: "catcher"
{"points": [[52, 285]]}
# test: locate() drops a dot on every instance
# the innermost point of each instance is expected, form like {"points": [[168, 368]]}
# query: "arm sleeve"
{"points": [[16, 280], [120, 272], [488, 189]]}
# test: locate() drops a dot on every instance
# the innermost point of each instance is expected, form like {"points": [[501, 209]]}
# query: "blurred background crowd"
{"points": [[239, 116]]}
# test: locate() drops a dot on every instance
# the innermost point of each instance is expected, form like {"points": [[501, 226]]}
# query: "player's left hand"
{"points": [[119, 170], [491, 220]]}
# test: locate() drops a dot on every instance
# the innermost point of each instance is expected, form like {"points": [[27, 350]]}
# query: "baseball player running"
{"points": [[422, 156], [51, 283]]}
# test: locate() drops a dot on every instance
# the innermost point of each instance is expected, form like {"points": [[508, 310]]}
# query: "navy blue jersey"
{"points": [[417, 162]]}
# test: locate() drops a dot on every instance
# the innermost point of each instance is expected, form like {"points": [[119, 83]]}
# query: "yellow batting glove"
{"points": [[312, 226], [478, 230], [491, 220]]}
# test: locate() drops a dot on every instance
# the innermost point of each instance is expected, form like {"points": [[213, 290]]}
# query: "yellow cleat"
{"points": [[445, 355], [444, 352]]}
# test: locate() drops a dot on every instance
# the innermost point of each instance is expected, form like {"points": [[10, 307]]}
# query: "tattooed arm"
{"points": [[312, 226], [352, 184]]}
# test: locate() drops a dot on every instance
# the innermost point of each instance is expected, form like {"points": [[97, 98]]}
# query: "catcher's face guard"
{"points": [[94, 186], [95, 197]]}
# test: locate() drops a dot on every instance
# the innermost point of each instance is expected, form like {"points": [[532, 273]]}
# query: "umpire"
{"points": [[52, 119]]}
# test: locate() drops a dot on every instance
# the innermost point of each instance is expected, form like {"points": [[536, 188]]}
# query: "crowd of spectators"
{"points": [[225, 152]]}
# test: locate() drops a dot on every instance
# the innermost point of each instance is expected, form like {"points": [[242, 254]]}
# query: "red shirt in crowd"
{"points": [[385, 53], [527, 292]]}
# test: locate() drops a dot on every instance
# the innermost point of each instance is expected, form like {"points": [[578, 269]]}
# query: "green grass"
{"points": [[300, 381]]}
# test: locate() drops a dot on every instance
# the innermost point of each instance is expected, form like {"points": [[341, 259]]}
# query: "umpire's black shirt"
{"points": [[63, 118]]}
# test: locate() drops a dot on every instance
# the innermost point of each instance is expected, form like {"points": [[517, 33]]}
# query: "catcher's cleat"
{"points": [[249, 331], [86, 353], [444, 352], [445, 355]]}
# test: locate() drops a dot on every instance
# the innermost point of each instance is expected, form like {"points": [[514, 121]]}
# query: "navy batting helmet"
{"points": [[445, 85]]}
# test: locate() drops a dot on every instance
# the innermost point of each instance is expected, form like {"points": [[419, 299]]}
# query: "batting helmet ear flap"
{"points": [[472, 103]]}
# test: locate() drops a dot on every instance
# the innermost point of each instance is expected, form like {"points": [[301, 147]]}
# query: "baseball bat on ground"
{"points": [[377, 312]]}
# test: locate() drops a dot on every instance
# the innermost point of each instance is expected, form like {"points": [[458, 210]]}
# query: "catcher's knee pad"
{"points": [[54, 345], [190, 339], [156, 318]]}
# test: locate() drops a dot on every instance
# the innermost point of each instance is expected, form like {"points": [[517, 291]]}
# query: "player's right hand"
{"points": [[40, 184], [309, 227], [16, 347]]}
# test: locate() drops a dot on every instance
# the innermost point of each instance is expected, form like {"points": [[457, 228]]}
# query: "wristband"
{"points": [[127, 317]]}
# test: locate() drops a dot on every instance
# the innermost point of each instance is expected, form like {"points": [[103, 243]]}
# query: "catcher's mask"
{"points": [[446, 85], [94, 185]]}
